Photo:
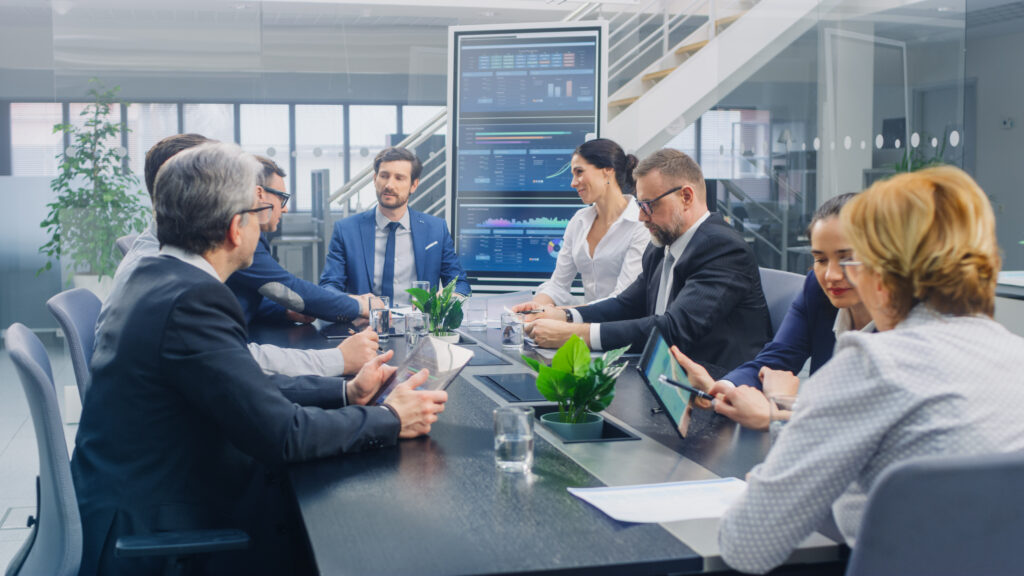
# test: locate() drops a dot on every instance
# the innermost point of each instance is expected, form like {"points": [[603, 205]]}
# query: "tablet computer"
{"points": [[675, 402], [443, 360]]}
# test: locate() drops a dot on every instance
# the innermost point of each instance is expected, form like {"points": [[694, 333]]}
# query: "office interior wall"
{"points": [[995, 64]]}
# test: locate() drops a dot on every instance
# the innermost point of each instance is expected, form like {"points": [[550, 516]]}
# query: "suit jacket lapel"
{"points": [[420, 233], [367, 235]]}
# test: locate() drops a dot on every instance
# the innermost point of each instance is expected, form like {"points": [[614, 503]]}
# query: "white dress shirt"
{"points": [[405, 259], [616, 261], [676, 249], [933, 385]]}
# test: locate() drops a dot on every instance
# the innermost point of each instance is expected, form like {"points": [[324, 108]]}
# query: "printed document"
{"points": [[667, 502]]}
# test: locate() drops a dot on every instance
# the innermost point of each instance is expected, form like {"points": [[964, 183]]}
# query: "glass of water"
{"points": [[380, 316], [415, 328], [422, 285], [511, 329], [513, 438], [475, 317]]}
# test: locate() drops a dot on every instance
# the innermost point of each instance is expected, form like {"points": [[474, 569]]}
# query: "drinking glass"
{"points": [[380, 316], [511, 329], [415, 328], [475, 314], [422, 285], [513, 438]]}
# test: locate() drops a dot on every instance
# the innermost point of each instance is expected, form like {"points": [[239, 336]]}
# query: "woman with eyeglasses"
{"points": [[826, 307], [940, 377], [603, 241]]}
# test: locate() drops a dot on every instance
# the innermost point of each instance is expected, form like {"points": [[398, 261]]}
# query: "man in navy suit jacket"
{"points": [[181, 429], [707, 301], [418, 248]]}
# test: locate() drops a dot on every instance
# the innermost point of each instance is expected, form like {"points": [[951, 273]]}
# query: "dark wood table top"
{"points": [[438, 505]]}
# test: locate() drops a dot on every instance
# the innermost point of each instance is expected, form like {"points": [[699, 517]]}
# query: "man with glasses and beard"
{"points": [[699, 286]]}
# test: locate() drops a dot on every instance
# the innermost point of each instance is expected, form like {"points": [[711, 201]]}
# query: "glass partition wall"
{"points": [[857, 93]]}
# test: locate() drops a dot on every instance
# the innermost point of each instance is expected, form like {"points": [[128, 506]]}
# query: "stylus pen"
{"points": [[700, 394]]}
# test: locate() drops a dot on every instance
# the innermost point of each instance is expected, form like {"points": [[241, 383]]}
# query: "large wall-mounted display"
{"points": [[520, 101]]}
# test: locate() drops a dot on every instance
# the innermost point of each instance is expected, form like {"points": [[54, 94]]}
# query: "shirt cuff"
{"points": [[577, 318], [332, 361], [595, 336], [729, 383]]}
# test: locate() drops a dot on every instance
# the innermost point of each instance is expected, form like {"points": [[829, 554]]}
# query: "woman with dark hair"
{"points": [[940, 377], [604, 241], [827, 307]]}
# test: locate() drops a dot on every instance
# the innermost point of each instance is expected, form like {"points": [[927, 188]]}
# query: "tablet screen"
{"points": [[443, 360], [658, 360]]}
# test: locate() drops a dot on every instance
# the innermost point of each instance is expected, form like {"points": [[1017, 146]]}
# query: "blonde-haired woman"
{"points": [[939, 377]]}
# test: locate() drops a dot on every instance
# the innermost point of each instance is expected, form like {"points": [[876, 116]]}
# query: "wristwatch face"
{"points": [[568, 315]]}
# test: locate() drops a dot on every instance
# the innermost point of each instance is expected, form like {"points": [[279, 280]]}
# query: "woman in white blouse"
{"points": [[940, 376], [604, 241]]}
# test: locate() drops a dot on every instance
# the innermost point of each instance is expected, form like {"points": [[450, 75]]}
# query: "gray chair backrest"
{"points": [[939, 516], [780, 289], [55, 545], [124, 243], [77, 310]]}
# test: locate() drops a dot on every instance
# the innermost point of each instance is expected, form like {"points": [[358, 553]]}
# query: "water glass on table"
{"points": [[415, 328], [513, 438], [380, 316], [422, 285], [511, 329], [475, 317]]}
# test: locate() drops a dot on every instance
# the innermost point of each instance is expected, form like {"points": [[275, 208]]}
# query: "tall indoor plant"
{"points": [[581, 386], [98, 198]]}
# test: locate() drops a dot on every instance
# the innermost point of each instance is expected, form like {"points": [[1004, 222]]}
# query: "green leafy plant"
{"points": [[576, 382], [98, 197], [916, 160], [443, 308]]}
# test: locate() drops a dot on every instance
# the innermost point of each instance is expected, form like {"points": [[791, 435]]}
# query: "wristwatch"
{"points": [[568, 315]]}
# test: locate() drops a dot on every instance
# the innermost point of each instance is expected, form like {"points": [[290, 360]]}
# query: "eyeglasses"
{"points": [[262, 213], [646, 206], [848, 265], [284, 196]]}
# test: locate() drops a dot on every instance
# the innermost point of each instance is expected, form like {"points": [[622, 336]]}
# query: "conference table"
{"points": [[438, 504]]}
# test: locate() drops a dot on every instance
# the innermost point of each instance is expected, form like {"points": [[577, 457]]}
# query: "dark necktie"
{"points": [[387, 281]]}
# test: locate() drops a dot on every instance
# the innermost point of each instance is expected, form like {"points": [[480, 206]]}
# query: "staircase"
{"points": [[733, 42]]}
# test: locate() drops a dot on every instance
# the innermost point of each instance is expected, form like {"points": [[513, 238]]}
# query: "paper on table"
{"points": [[667, 502]]}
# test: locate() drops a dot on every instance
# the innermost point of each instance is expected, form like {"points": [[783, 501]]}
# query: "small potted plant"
{"points": [[442, 308], [582, 387]]}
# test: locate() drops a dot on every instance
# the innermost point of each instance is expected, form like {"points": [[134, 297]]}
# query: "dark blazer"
{"points": [[806, 331], [716, 313], [181, 426], [265, 290], [349, 266]]}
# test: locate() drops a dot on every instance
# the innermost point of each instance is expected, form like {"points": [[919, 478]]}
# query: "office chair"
{"points": [[124, 243], [949, 515], [54, 546], [780, 289], [77, 310]]}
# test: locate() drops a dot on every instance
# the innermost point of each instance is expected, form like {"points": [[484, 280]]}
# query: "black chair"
{"points": [[780, 289], [77, 311], [54, 546], [944, 516]]}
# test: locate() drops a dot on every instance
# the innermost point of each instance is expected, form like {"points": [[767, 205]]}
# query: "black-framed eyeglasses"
{"points": [[284, 196], [848, 265], [262, 213], [647, 206]]}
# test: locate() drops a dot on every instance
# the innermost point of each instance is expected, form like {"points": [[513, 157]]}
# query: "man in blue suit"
{"points": [[382, 251]]}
